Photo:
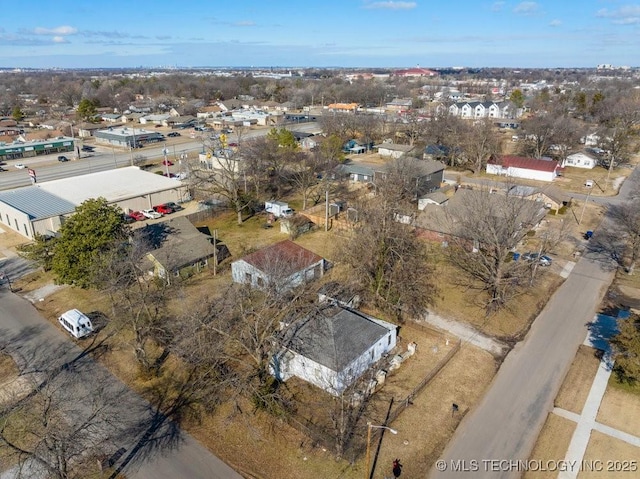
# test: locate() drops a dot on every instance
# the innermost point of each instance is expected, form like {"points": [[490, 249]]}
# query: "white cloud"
{"points": [[497, 6], [62, 30], [391, 5], [555, 23], [59, 39], [526, 8], [626, 15]]}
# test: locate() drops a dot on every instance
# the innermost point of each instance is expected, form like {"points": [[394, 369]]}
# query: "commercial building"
{"points": [[41, 208], [127, 137], [28, 149]]}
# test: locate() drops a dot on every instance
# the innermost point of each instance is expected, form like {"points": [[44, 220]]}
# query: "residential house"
{"points": [[582, 159], [333, 347], [160, 119], [436, 152], [86, 130], [421, 176], [131, 117], [521, 167], [179, 248], [551, 197], [357, 172], [393, 150], [434, 198], [280, 266], [111, 117], [478, 110], [440, 223]]}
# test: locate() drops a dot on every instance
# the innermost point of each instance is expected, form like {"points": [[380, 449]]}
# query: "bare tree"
{"points": [[224, 173], [138, 302], [483, 229], [627, 217], [479, 144], [388, 261], [64, 424]]}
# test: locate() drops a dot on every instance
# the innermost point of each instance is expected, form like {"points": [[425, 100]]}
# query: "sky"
{"points": [[320, 33]]}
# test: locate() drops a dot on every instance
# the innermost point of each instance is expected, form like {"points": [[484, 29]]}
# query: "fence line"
{"points": [[356, 448]]}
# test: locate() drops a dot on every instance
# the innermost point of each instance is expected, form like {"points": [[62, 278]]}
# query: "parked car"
{"points": [[162, 209], [170, 175], [543, 260], [151, 214], [128, 219], [137, 215], [167, 162], [20, 166], [63, 158], [88, 148], [174, 206], [174, 134]]}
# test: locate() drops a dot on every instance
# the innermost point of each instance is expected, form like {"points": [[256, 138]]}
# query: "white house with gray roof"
{"points": [[333, 347]]}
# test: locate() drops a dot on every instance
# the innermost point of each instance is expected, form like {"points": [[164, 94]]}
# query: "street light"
{"points": [[369, 428]]}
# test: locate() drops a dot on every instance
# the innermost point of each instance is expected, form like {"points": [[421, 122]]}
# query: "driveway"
{"points": [[155, 447]]}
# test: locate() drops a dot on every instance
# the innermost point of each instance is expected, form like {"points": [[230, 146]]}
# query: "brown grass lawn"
{"points": [[552, 444], [8, 368], [620, 409], [459, 302], [577, 383], [610, 453]]}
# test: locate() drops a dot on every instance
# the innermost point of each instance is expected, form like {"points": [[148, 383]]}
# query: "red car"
{"points": [[167, 162], [137, 215], [163, 209]]}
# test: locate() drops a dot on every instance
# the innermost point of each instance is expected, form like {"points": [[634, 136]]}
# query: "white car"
{"points": [[20, 166], [152, 214]]}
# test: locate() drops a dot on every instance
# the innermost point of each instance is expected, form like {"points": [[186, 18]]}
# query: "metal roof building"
{"points": [[127, 137], [40, 209], [28, 149]]}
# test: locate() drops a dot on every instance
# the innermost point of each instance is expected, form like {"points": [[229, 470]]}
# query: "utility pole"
{"points": [[584, 207], [326, 211]]}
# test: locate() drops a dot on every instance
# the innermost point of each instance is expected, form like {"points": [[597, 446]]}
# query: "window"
{"points": [[372, 352], [247, 277], [389, 340], [260, 281]]}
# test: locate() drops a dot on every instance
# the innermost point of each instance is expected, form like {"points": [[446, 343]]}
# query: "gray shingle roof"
{"points": [[36, 202], [335, 337]]}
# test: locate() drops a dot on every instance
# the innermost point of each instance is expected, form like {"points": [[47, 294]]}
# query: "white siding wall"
{"points": [[331, 381], [245, 273], [16, 220], [521, 173]]}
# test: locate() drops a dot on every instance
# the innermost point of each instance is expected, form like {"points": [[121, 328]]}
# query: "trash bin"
{"points": [[588, 235], [516, 256]]}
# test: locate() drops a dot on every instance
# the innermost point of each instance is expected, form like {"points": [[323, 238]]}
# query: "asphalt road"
{"points": [[504, 426], [106, 158], [157, 449]]}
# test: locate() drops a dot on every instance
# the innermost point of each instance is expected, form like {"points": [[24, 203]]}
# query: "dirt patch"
{"points": [[8, 368], [609, 456], [577, 383], [552, 445], [620, 409]]}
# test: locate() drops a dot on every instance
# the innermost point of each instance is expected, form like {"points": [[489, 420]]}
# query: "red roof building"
{"points": [[523, 167]]}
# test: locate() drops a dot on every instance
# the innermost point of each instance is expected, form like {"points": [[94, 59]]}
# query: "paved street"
{"points": [[157, 449], [506, 423]]}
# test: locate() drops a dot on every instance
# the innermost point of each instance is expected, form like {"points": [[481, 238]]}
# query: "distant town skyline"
{"points": [[320, 33]]}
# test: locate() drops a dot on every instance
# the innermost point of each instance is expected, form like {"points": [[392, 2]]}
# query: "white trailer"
{"points": [[278, 209]]}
